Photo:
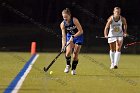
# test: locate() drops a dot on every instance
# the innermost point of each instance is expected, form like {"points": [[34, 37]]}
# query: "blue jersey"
{"points": [[72, 30]]}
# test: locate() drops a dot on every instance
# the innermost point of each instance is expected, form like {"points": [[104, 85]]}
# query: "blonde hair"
{"points": [[67, 11], [118, 8]]}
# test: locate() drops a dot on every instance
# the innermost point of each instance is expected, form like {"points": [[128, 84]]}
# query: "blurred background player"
{"points": [[117, 26], [72, 33]]}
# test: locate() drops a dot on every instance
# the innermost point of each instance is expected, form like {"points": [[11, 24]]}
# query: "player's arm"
{"points": [[124, 26], [109, 21], [79, 27], [63, 34]]}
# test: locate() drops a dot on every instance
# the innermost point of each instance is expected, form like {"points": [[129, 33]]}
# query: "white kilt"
{"points": [[113, 39]]}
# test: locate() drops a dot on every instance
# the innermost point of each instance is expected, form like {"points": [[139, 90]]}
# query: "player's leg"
{"points": [[68, 52], [118, 52], [75, 58], [112, 53], [68, 57]]}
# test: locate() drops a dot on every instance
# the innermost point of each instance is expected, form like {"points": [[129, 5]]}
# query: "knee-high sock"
{"points": [[68, 60], [74, 65], [117, 57], [112, 56]]}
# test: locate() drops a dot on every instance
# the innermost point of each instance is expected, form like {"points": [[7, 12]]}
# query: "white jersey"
{"points": [[115, 30]]}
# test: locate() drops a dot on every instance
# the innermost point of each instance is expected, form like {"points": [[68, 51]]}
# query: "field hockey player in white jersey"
{"points": [[116, 29]]}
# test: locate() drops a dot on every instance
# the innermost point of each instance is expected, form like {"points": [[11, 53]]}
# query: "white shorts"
{"points": [[113, 39]]}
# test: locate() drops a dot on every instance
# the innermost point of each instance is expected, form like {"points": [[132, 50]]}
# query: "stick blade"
{"points": [[97, 37], [45, 69], [125, 47]]}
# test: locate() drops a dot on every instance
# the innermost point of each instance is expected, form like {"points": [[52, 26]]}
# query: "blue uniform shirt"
{"points": [[72, 30]]}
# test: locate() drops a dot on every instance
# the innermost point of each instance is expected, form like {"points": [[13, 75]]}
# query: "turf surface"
{"points": [[93, 74]]}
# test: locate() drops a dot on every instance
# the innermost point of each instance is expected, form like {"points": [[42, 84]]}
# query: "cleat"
{"points": [[115, 67], [67, 68], [112, 66], [73, 72]]}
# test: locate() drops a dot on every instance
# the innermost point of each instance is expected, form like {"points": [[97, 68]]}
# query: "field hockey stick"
{"points": [[130, 44], [54, 60], [132, 37], [108, 37], [128, 36]]}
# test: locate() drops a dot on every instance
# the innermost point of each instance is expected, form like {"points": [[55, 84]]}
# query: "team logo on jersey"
{"points": [[116, 25], [116, 29], [71, 29]]}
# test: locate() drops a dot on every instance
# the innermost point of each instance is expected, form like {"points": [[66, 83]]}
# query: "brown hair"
{"points": [[67, 11]]}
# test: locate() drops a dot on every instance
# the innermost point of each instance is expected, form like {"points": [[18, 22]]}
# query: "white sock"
{"points": [[111, 56], [117, 57]]}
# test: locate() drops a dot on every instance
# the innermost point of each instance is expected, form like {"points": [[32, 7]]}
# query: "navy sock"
{"points": [[74, 64], [68, 60]]}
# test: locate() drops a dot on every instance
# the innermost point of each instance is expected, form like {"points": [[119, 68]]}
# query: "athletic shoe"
{"points": [[73, 72], [112, 66], [67, 68], [115, 67]]}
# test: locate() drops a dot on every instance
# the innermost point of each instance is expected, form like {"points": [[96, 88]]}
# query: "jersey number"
{"points": [[116, 29], [72, 32]]}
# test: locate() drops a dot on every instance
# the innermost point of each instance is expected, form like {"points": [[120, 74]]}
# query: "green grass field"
{"points": [[93, 74]]}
